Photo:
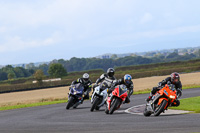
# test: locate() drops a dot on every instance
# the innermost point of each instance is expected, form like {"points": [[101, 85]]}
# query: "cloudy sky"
{"points": [[43, 30]]}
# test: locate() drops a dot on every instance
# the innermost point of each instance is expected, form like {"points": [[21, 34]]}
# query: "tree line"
{"points": [[9, 72], [59, 68], [54, 70], [82, 64]]}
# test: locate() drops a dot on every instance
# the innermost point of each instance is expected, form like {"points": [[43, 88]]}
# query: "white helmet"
{"points": [[86, 76]]}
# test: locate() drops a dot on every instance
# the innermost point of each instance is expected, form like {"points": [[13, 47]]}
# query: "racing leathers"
{"points": [[105, 78]]}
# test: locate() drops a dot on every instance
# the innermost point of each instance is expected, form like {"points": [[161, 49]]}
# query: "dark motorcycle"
{"points": [[75, 95]]}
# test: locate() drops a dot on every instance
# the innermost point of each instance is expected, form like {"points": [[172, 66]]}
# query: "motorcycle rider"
{"points": [[173, 79], [108, 78], [87, 84], [126, 80]]}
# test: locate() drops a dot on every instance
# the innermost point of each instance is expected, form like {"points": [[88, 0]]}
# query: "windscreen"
{"points": [[122, 89]]}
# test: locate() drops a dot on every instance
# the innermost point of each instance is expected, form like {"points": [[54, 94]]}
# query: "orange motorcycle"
{"points": [[161, 100]]}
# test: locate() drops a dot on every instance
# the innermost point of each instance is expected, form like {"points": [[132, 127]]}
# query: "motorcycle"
{"points": [[75, 95], [99, 96], [161, 100], [117, 97]]}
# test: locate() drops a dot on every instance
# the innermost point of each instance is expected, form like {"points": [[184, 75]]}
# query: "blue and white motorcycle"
{"points": [[75, 95], [99, 96]]}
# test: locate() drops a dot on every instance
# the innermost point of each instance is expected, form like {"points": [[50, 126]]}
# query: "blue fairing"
{"points": [[76, 90]]}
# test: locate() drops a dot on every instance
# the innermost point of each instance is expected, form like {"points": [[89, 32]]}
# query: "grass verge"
{"points": [[43, 102], [191, 86], [142, 92], [57, 101], [149, 90], [189, 104]]}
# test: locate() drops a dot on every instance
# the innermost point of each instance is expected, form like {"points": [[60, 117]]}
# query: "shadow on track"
{"points": [[78, 108]]}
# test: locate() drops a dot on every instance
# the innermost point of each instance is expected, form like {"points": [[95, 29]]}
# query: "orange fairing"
{"points": [[160, 101], [161, 91], [167, 92]]}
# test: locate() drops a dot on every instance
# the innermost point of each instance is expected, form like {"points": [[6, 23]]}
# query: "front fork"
{"points": [[109, 100]]}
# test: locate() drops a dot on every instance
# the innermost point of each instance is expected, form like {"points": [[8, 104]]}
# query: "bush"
{"points": [[57, 70]]}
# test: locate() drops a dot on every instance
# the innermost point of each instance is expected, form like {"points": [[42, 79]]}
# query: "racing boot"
{"points": [[127, 100]]}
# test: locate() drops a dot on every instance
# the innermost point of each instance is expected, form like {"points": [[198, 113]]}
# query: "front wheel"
{"points": [[94, 105], [160, 108], [106, 110], [146, 112], [114, 105], [70, 103]]}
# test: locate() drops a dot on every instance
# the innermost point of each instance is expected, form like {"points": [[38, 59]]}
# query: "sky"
{"points": [[43, 30]]}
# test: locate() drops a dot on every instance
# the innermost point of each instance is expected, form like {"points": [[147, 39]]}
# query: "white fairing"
{"points": [[103, 94]]}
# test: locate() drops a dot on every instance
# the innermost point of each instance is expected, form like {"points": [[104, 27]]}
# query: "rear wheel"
{"points": [[70, 103], [160, 108], [94, 105], [114, 105]]}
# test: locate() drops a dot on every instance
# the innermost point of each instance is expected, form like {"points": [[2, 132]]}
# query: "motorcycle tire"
{"points": [[70, 103], [161, 108], [114, 105], [99, 102], [94, 105], [97, 108], [146, 113], [106, 110]]}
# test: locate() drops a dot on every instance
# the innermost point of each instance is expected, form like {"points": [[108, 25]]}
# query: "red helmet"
{"points": [[175, 77]]}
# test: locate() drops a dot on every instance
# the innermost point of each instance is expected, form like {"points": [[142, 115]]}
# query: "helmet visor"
{"points": [[127, 81], [111, 74], [176, 80], [85, 79]]}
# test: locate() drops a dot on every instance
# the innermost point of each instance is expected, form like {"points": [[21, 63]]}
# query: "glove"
{"points": [[159, 84], [179, 93]]}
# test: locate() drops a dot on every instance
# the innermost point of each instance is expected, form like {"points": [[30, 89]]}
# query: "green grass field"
{"points": [[189, 104], [42, 103], [149, 90]]}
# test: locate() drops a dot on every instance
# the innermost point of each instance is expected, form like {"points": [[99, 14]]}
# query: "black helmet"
{"points": [[110, 72], [175, 76]]}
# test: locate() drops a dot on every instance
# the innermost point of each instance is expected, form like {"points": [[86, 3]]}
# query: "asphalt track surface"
{"points": [[56, 119]]}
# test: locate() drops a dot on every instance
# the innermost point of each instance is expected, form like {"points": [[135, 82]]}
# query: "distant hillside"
{"points": [[26, 66], [165, 52]]}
